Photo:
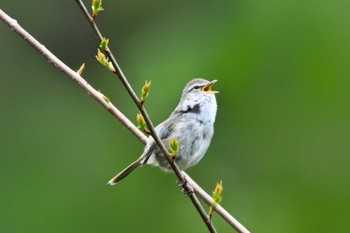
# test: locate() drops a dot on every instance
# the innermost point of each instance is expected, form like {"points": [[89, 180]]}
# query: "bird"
{"points": [[191, 124]]}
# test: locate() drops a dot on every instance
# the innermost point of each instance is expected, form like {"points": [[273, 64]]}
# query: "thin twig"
{"points": [[143, 111], [13, 25]]}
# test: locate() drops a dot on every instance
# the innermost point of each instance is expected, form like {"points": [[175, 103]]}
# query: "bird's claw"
{"points": [[187, 189], [180, 183]]}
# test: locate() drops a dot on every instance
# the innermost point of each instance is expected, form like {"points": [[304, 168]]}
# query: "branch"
{"points": [[51, 58]]}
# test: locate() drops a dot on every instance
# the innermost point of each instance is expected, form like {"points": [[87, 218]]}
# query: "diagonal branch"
{"points": [[13, 25]]}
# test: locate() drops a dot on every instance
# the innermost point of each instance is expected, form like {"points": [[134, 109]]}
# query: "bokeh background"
{"points": [[281, 143]]}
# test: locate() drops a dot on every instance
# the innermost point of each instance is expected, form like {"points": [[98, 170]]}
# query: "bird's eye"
{"points": [[196, 87]]}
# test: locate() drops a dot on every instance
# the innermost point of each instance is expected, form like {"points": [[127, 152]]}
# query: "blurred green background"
{"points": [[281, 143]]}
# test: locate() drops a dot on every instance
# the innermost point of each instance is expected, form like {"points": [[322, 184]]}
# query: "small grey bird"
{"points": [[191, 123]]}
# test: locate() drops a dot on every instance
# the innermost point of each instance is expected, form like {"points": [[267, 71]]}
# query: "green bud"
{"points": [[145, 91], [103, 60], [104, 44], [217, 194], [174, 147], [96, 7], [217, 197], [106, 98], [141, 123]]}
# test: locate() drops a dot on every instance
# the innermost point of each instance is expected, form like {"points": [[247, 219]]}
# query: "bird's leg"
{"points": [[180, 183], [187, 189]]}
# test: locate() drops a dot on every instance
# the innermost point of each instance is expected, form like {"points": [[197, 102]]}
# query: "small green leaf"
{"points": [[106, 98], [217, 197], [104, 44], [141, 123], [174, 147], [103, 60], [217, 194], [96, 7], [145, 91]]}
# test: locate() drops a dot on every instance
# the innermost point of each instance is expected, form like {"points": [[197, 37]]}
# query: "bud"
{"points": [[145, 91], [103, 60], [217, 197], [81, 69], [174, 147], [106, 99], [96, 7], [104, 44], [141, 123], [217, 193]]}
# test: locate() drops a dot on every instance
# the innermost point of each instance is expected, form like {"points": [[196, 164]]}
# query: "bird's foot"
{"points": [[187, 189], [180, 183]]}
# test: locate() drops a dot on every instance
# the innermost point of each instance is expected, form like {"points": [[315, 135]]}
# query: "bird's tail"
{"points": [[121, 175]]}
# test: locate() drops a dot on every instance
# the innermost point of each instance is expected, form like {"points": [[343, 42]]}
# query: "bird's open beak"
{"points": [[207, 88]]}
